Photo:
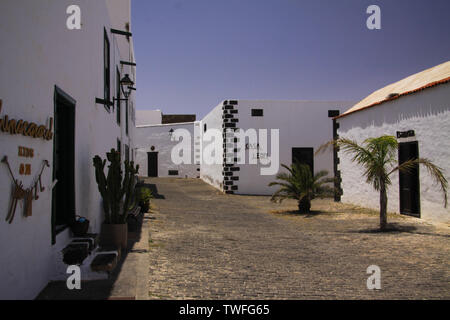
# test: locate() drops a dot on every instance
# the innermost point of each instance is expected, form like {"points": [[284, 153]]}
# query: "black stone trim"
{"points": [[337, 173]]}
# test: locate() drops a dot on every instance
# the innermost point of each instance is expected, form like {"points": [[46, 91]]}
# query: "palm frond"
{"points": [[433, 170]]}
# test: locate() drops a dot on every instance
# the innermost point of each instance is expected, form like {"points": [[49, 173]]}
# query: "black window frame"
{"points": [[127, 153], [126, 117], [257, 112], [106, 70], [118, 94], [119, 147]]}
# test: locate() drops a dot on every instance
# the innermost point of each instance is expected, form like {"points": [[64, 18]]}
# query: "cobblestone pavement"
{"points": [[207, 245]]}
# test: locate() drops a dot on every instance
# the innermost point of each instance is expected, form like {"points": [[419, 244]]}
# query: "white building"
{"points": [[302, 127], [156, 144], [417, 111], [54, 77]]}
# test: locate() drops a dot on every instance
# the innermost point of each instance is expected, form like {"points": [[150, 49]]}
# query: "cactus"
{"points": [[117, 193]]}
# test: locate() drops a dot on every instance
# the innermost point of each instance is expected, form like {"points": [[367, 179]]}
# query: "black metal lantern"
{"points": [[126, 84]]}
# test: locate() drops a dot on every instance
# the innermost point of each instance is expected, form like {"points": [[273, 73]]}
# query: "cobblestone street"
{"points": [[207, 245]]}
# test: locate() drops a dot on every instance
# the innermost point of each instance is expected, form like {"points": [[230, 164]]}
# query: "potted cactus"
{"points": [[117, 193]]}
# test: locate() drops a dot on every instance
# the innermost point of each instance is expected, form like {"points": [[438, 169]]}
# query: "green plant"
{"points": [[299, 183], [117, 191], [145, 194], [378, 157]]}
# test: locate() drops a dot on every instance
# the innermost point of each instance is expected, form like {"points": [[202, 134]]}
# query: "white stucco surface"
{"points": [[428, 114], [157, 136], [148, 117], [300, 123], [212, 173], [39, 52]]}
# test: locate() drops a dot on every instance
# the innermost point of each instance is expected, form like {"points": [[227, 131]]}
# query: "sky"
{"points": [[193, 54]]}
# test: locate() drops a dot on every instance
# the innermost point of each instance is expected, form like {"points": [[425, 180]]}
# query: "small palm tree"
{"points": [[299, 183], [378, 157]]}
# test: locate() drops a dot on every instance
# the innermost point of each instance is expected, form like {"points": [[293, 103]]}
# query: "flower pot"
{"points": [[80, 227], [114, 235], [145, 206]]}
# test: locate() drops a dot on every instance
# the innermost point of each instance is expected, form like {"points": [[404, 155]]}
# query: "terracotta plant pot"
{"points": [[114, 235]]}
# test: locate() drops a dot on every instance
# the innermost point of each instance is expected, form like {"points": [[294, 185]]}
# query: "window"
{"points": [[204, 127], [127, 153], [173, 172], [106, 71], [118, 94], [257, 112], [119, 147], [126, 117]]}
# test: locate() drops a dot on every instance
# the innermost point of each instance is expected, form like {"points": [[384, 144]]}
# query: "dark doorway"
{"points": [[152, 164], [409, 181], [63, 194], [304, 155]]}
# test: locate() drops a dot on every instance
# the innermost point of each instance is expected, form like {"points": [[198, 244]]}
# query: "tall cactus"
{"points": [[117, 193]]}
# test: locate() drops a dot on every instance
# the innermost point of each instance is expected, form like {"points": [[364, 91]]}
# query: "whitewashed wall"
{"points": [[211, 173], [300, 124], [39, 52], [148, 117], [428, 114], [158, 137]]}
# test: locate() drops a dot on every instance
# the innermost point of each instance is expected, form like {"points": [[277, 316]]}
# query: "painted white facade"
{"points": [[301, 124], [212, 173], [148, 117], [39, 53], [157, 138], [427, 112]]}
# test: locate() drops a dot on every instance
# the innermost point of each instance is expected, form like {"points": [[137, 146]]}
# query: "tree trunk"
{"points": [[304, 205], [383, 206]]}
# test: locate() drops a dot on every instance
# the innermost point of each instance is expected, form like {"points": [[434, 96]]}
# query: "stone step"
{"points": [[91, 239], [79, 249], [75, 253], [106, 261]]}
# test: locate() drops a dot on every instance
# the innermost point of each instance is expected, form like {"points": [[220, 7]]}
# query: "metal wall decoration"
{"points": [[19, 193]]}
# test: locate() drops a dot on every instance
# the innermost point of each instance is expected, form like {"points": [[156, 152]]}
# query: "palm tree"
{"points": [[299, 183], [378, 157]]}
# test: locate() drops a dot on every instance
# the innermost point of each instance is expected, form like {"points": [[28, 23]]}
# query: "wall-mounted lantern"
{"points": [[171, 134], [127, 85]]}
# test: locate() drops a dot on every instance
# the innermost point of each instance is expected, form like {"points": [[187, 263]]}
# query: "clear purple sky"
{"points": [[191, 54]]}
